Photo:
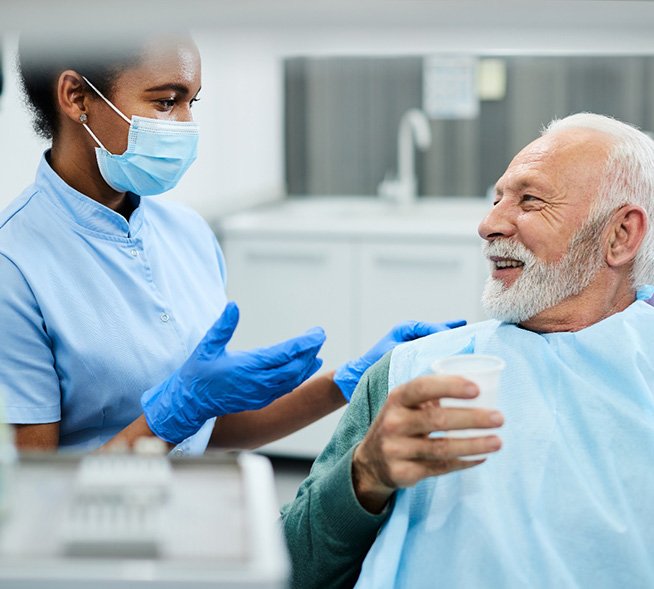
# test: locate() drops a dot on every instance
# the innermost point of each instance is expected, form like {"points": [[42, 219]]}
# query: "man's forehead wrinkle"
{"points": [[565, 144], [523, 176], [534, 154], [566, 159]]}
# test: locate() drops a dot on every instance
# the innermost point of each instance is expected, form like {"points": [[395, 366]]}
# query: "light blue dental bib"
{"points": [[569, 500]]}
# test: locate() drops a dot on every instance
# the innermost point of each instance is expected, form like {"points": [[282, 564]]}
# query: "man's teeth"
{"points": [[508, 264]]}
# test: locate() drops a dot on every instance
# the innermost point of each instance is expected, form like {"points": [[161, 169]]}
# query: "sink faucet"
{"points": [[401, 188]]}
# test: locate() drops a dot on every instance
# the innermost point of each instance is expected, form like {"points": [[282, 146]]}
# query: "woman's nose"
{"points": [[186, 117], [184, 113]]}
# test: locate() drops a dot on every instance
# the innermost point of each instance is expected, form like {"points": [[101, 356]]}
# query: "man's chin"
{"points": [[505, 316], [504, 304]]}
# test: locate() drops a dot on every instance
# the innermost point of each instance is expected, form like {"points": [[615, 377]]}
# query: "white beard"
{"points": [[542, 285]]}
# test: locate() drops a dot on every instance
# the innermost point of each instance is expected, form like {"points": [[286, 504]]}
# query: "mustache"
{"points": [[505, 248]]}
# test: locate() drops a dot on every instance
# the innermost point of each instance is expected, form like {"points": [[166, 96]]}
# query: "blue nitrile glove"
{"points": [[214, 381], [347, 376]]}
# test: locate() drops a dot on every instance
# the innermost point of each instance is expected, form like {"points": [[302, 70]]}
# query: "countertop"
{"points": [[351, 217]]}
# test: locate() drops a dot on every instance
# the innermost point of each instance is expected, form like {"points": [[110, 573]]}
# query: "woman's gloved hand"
{"points": [[348, 375], [214, 381]]}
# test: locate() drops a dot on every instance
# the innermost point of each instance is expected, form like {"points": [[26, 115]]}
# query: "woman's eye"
{"points": [[167, 103], [193, 101], [530, 198]]}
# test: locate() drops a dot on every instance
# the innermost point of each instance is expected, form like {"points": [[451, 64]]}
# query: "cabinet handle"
{"points": [[286, 258], [441, 264]]}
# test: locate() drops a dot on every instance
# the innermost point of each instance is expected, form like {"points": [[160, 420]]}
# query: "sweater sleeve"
{"points": [[328, 532]]}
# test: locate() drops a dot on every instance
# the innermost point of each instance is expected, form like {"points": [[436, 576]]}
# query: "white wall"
{"points": [[241, 158], [240, 161], [20, 149]]}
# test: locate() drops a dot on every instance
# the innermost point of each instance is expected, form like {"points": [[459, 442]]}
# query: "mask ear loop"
{"points": [[83, 118], [115, 109]]}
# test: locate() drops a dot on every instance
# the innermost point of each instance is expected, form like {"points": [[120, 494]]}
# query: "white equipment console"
{"points": [[114, 521]]}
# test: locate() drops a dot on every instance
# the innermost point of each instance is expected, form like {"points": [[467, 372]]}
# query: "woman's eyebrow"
{"points": [[180, 88]]}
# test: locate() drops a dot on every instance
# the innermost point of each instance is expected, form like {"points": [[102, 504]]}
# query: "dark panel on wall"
{"points": [[341, 120], [342, 117]]}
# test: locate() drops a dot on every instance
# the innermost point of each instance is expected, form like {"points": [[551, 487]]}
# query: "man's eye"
{"points": [[530, 198]]}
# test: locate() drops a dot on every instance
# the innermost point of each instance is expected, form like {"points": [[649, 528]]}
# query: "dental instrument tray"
{"points": [[128, 520]]}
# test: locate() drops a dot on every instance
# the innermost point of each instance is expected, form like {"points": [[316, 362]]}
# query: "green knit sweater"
{"points": [[327, 531]]}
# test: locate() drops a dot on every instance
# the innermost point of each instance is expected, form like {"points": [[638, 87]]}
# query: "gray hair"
{"points": [[628, 178]]}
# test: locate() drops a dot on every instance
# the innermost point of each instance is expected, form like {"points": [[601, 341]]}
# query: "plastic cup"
{"points": [[485, 371]]}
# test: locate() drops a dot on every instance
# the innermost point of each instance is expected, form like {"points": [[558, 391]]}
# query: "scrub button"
{"points": [[178, 452], [134, 253], [164, 317]]}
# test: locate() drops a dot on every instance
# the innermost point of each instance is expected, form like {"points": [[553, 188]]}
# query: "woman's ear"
{"points": [[72, 96], [627, 231]]}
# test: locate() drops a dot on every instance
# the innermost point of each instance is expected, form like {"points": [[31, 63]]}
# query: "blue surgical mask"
{"points": [[158, 154]]}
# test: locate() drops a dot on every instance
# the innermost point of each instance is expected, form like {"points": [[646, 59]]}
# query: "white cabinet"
{"points": [[425, 280], [355, 275], [283, 287]]}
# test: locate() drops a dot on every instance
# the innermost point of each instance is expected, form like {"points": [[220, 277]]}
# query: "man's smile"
{"points": [[506, 269]]}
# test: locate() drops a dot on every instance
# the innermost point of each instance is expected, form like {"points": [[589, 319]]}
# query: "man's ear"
{"points": [[627, 230]]}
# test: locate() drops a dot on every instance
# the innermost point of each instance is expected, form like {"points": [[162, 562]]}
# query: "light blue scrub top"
{"points": [[568, 502], [94, 310]]}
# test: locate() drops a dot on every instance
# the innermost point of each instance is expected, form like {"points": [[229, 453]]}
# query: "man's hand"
{"points": [[397, 450]]}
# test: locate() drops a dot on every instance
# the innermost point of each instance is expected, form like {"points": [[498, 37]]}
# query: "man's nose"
{"points": [[499, 222]]}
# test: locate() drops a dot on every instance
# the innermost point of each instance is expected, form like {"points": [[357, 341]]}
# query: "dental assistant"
{"points": [[115, 322]]}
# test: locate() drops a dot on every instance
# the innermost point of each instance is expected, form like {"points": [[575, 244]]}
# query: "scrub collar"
{"points": [[84, 211]]}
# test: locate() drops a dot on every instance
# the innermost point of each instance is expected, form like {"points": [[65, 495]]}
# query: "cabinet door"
{"points": [[426, 281], [284, 287]]}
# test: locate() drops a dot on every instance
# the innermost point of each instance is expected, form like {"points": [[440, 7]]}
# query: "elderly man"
{"points": [[567, 502]]}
